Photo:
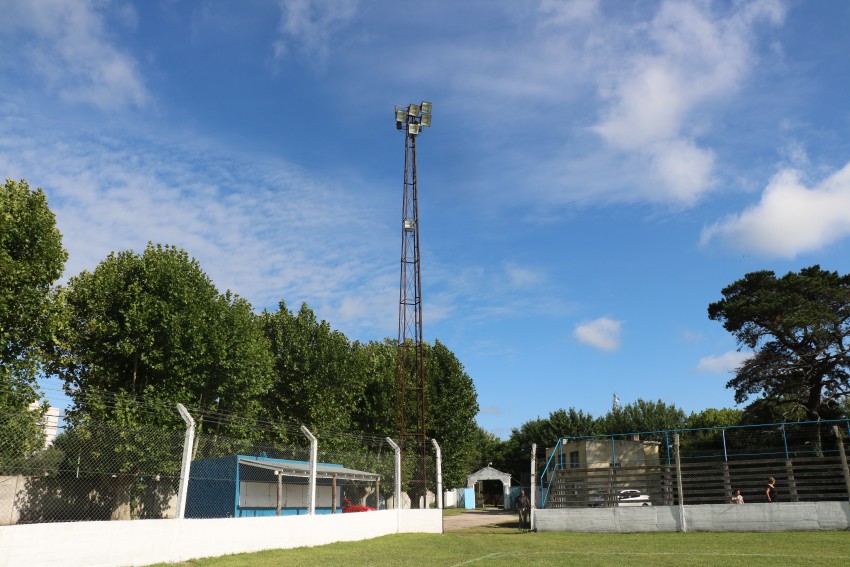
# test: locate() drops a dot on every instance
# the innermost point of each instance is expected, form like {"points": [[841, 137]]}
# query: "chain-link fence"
{"points": [[88, 471], [807, 462]]}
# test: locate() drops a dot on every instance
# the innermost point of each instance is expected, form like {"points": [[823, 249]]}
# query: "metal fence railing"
{"points": [[699, 466], [83, 470]]}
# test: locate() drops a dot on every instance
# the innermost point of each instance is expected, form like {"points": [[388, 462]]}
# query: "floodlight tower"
{"points": [[410, 363]]}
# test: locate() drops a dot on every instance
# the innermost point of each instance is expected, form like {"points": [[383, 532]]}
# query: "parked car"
{"points": [[348, 507], [632, 497], [622, 497]]}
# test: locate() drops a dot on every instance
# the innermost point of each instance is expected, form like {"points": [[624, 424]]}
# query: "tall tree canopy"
{"points": [[31, 260], [319, 377], [545, 432], [797, 326], [153, 326], [451, 407], [643, 415]]}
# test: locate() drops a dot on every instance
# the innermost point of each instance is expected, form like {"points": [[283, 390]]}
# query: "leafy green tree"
{"points": [[711, 417], [451, 406], [798, 327], [153, 327], [706, 439], [31, 260], [319, 376], [488, 449], [450, 398], [143, 332], [545, 432], [643, 416], [376, 412]]}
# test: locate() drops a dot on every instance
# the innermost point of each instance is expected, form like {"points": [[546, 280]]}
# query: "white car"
{"points": [[623, 497], [632, 497]]}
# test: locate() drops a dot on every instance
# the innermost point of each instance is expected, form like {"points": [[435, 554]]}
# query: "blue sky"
{"points": [[595, 174]]}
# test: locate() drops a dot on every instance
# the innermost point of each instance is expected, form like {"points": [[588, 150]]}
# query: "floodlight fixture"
{"points": [[425, 107], [425, 120], [408, 225], [413, 128], [413, 110], [400, 115]]}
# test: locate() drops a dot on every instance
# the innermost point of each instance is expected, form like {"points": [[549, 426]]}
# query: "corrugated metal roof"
{"points": [[302, 470]]}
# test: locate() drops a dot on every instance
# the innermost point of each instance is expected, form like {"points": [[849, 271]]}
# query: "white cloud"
{"points": [[310, 26], [724, 363], [602, 333], [694, 58], [263, 228], [565, 11], [790, 218], [67, 44], [522, 277]]}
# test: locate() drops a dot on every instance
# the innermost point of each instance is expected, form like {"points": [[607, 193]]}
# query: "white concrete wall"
{"points": [[143, 542], [779, 517], [450, 499]]}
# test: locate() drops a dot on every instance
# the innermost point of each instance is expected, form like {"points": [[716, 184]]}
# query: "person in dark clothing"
{"points": [[524, 506], [770, 491]]}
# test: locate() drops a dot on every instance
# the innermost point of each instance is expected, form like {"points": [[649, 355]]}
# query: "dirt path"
{"points": [[478, 518]]}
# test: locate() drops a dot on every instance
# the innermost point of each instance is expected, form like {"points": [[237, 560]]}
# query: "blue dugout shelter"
{"points": [[245, 486]]}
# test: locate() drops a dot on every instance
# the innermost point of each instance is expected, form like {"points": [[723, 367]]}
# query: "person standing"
{"points": [[770, 491], [523, 504]]}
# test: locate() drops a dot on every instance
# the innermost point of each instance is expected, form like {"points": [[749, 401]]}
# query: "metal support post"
{"points": [[311, 483], [789, 468], [439, 459], [533, 486], [727, 481], [679, 483], [279, 475], [186, 464], [333, 494], [843, 456], [397, 492]]}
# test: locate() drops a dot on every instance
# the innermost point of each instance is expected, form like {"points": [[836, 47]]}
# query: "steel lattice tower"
{"points": [[410, 377]]}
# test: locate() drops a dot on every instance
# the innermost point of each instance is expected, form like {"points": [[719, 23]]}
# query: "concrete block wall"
{"points": [[144, 542], [783, 516]]}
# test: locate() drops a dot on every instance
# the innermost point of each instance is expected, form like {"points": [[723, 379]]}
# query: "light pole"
{"points": [[410, 363]]}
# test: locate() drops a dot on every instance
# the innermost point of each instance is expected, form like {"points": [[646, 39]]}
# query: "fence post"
{"points": [[727, 481], [279, 475], [397, 492], [439, 458], [533, 475], [311, 483], [843, 456], [333, 494], [186, 464], [679, 483], [533, 487]]}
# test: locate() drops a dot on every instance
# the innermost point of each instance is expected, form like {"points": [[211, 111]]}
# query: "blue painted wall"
{"points": [[214, 488]]}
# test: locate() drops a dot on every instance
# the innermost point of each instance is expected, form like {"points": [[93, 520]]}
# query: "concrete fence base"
{"points": [[144, 542], [779, 517]]}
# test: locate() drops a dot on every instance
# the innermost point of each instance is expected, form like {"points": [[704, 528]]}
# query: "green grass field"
{"points": [[505, 546]]}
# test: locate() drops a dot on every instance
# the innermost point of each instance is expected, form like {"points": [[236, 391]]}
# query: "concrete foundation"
{"points": [[144, 542], [779, 517]]}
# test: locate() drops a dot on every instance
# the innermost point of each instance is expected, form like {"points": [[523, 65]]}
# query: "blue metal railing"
{"points": [[555, 461], [558, 464]]}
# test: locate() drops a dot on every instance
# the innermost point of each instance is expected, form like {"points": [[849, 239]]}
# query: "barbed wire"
{"points": [[141, 404]]}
